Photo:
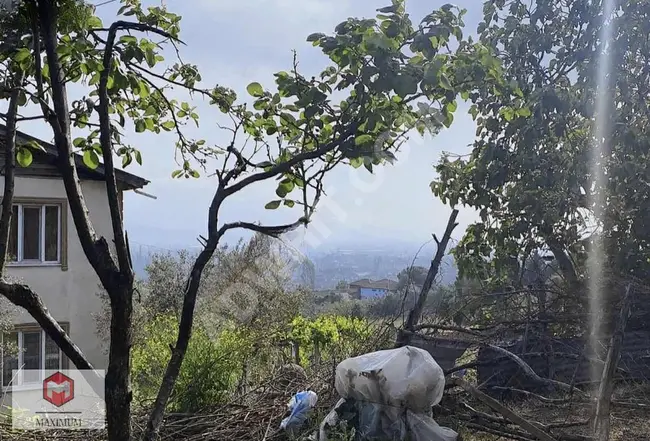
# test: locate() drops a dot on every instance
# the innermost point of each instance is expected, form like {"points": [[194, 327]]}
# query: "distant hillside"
{"points": [[349, 265], [334, 265]]}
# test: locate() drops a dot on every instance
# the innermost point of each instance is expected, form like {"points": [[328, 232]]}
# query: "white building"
{"points": [[45, 252]]}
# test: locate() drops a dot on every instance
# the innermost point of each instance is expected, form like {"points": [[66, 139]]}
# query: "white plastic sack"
{"points": [[407, 377], [395, 391]]}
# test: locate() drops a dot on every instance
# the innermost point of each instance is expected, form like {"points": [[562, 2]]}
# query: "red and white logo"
{"points": [[58, 389]]}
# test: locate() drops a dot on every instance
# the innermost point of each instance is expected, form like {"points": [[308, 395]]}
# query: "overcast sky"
{"points": [[235, 42]]}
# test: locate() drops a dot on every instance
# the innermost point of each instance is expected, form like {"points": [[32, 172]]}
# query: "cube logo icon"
{"points": [[58, 389]]}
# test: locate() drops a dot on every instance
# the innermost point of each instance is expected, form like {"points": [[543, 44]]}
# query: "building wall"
{"points": [[70, 295], [371, 292]]}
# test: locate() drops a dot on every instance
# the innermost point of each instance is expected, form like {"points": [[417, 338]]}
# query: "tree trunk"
{"points": [[186, 323], [601, 419], [117, 393]]}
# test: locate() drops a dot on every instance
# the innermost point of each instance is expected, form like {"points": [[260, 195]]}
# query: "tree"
{"points": [[529, 174], [530, 177], [342, 284], [307, 273], [411, 275], [391, 76]]}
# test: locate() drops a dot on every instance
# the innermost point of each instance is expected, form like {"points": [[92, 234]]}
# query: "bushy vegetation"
{"points": [[330, 337], [252, 320], [215, 367], [210, 370]]}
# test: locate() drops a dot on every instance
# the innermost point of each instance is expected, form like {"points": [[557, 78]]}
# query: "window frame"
{"points": [[19, 384], [42, 203]]}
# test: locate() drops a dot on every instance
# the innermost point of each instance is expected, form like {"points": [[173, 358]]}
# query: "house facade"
{"points": [[46, 254], [366, 288]]}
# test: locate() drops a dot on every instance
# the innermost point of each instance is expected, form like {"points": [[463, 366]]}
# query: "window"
{"points": [[27, 349], [35, 235]]}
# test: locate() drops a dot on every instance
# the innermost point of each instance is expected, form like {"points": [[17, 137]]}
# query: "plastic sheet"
{"points": [[300, 406], [393, 392]]}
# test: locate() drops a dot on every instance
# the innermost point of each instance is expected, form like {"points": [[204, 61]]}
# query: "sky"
{"points": [[237, 42]]}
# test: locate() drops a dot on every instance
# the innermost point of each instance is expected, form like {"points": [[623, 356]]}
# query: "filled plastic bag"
{"points": [[300, 406], [393, 392]]}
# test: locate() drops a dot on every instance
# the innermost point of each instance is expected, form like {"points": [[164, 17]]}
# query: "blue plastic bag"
{"points": [[300, 406]]}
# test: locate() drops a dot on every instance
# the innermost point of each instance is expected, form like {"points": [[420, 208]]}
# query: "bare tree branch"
{"points": [[96, 249], [503, 410], [24, 297], [416, 312], [107, 153], [288, 165], [9, 171], [273, 231]]}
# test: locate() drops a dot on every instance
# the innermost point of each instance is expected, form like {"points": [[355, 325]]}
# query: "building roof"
{"points": [[378, 284], [126, 180]]}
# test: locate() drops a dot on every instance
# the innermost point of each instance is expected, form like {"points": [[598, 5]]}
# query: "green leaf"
{"points": [[272, 205], [367, 164], [315, 37], [138, 157], [35, 145], [255, 89], [140, 126], [449, 119], [95, 22], [388, 9], [508, 113], [22, 98], [150, 57], [169, 125], [176, 173], [78, 142], [284, 188], [356, 162], [128, 39], [405, 85], [22, 55], [24, 157], [444, 82], [524, 111], [289, 203], [363, 139], [91, 160]]}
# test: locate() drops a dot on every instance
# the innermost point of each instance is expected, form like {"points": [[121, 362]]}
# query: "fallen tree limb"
{"points": [[498, 432], [503, 410], [582, 400], [530, 372]]}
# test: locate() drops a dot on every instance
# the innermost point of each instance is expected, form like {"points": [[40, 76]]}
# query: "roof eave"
{"points": [[125, 180]]}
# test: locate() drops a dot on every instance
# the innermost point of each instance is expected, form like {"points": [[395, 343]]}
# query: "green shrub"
{"points": [[209, 373], [335, 337]]}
